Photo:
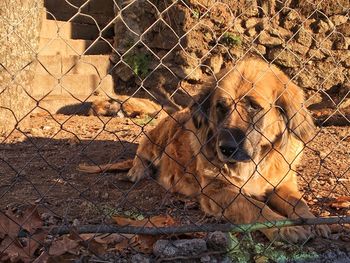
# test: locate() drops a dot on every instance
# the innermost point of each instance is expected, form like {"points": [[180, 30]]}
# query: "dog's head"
{"points": [[249, 110]]}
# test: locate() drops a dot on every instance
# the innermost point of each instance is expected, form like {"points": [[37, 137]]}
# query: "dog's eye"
{"points": [[222, 108], [252, 105]]}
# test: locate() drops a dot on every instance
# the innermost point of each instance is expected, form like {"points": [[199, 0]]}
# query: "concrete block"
{"points": [[55, 103], [67, 47], [95, 12], [70, 30], [58, 65], [72, 85], [89, 7]]}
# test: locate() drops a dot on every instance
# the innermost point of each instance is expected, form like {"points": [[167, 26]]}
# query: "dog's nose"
{"points": [[228, 151]]}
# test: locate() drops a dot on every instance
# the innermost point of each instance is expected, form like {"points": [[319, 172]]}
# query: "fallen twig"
{"points": [[62, 230], [190, 257]]}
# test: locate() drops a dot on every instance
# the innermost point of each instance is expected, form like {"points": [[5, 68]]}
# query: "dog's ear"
{"points": [[292, 103], [200, 108]]}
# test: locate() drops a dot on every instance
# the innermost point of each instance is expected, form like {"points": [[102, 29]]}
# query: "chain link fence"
{"points": [[151, 131]]}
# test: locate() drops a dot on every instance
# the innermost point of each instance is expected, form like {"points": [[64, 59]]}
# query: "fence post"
{"points": [[19, 39]]}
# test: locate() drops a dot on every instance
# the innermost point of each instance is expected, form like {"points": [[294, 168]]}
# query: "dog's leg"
{"points": [[288, 201], [140, 169], [147, 157], [225, 201]]}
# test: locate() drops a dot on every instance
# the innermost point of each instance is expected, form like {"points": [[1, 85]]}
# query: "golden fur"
{"points": [[125, 106], [236, 149]]}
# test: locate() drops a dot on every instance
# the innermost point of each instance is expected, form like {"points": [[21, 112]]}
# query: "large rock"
{"points": [[131, 22], [260, 50], [215, 62], [342, 56], [251, 32], [139, 258], [182, 247], [304, 37], [267, 40], [298, 49], [247, 8], [339, 19], [186, 66], [321, 27], [283, 57], [344, 29], [252, 22], [280, 32], [322, 42], [219, 240], [237, 26], [315, 54], [161, 37], [291, 20], [320, 75], [340, 42], [327, 7]]}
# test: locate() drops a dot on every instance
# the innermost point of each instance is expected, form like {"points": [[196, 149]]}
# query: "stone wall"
{"points": [[166, 42], [19, 39]]}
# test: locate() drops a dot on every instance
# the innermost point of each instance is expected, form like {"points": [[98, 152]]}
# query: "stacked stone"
{"points": [[309, 41]]}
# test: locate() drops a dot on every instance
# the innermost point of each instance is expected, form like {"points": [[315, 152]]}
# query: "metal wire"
{"points": [[166, 53]]}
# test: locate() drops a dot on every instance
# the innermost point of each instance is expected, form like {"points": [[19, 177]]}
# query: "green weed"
{"points": [[139, 63], [196, 14], [230, 40], [144, 120], [248, 250]]}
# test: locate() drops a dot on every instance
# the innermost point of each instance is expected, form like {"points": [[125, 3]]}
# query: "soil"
{"points": [[38, 164]]}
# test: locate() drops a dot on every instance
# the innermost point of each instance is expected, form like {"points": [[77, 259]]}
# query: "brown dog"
{"points": [[236, 148], [122, 106]]}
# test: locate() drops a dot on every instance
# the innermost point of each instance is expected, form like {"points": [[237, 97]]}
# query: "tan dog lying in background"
{"points": [[124, 106], [236, 148]]}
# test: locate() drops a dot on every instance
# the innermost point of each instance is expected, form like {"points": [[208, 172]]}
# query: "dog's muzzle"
{"points": [[230, 146]]}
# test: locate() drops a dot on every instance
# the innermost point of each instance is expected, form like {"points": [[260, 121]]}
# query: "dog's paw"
{"points": [[296, 234], [322, 231], [292, 234], [136, 173]]}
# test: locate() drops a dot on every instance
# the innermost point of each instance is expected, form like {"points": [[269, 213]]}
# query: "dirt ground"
{"points": [[38, 165]]}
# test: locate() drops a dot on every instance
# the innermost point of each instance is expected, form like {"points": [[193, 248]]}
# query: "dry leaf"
{"points": [[31, 220], [43, 258], [34, 242], [8, 226], [125, 221], [341, 202], [88, 242], [109, 238], [142, 243], [12, 251], [161, 221], [87, 237], [21, 250], [98, 241], [11, 223], [94, 247], [122, 245], [155, 221], [63, 245]]}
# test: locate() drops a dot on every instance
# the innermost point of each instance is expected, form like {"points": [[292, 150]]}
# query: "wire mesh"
{"points": [[186, 131]]}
